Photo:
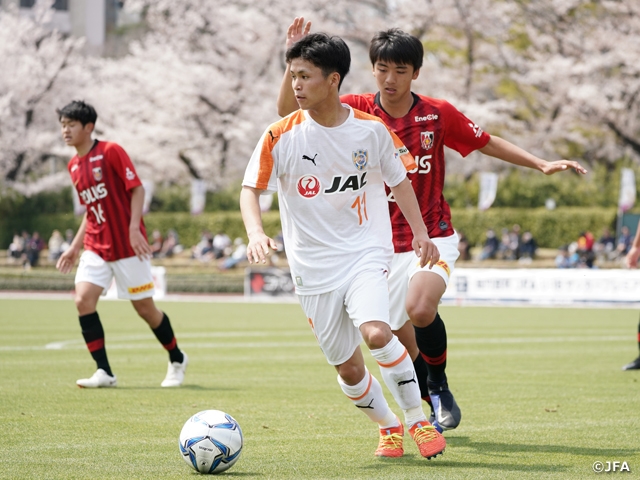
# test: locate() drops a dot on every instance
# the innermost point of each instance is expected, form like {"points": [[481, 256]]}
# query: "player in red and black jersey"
{"points": [[115, 243], [425, 125]]}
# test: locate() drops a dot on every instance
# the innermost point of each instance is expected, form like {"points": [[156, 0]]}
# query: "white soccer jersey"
{"points": [[333, 205]]}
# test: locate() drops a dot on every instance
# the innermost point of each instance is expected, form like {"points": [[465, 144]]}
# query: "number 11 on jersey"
{"points": [[360, 203]]}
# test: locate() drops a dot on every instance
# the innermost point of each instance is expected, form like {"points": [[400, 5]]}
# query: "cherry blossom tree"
{"points": [[39, 66]]}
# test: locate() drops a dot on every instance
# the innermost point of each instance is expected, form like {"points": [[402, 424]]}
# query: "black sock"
{"points": [[422, 372], [432, 342], [164, 333], [639, 337], [94, 338]]}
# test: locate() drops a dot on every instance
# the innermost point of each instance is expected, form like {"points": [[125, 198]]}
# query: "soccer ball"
{"points": [[211, 441]]}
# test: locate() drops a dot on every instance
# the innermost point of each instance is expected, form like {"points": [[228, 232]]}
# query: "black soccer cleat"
{"points": [[446, 410], [635, 365]]}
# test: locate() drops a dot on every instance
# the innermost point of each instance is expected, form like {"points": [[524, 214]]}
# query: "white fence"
{"points": [[543, 286]]}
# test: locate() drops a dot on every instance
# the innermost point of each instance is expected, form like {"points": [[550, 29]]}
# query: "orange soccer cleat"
{"points": [[391, 442], [430, 442]]}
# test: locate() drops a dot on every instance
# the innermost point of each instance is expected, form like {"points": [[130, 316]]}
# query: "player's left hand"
{"points": [[139, 244], [561, 165], [426, 250]]}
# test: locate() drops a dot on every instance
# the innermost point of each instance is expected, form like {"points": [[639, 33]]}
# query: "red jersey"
{"points": [[430, 125], [104, 178]]}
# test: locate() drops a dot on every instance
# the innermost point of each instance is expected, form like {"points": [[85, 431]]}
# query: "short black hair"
{"points": [[396, 46], [328, 53], [78, 110]]}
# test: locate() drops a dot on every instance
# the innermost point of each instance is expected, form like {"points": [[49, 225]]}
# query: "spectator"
{"points": [[504, 248], [563, 259], [68, 238], [55, 245], [156, 243], [624, 242], [514, 242], [490, 247], [16, 248], [585, 249], [528, 248], [463, 246], [605, 246], [239, 254], [204, 248], [34, 247], [171, 245], [221, 245]]}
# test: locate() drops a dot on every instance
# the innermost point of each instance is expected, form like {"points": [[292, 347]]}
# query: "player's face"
{"points": [[74, 133], [310, 86], [394, 80]]}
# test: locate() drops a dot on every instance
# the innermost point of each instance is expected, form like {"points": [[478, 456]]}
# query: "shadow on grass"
{"points": [[492, 448], [439, 463], [177, 389]]}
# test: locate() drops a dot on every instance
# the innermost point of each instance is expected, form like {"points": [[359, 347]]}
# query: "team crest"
{"points": [[97, 173], [426, 139], [360, 158]]}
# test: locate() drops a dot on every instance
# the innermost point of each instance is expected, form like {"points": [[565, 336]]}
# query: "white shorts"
{"points": [[405, 265], [335, 317], [133, 276]]}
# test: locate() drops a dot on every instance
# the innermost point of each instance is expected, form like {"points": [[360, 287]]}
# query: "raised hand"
{"points": [[296, 31]]}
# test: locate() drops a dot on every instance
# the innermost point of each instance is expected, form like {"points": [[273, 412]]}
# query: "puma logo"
{"points": [[366, 406], [404, 382], [312, 160], [273, 139]]}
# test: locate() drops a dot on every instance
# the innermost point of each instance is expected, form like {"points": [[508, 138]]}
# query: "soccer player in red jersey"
{"points": [[425, 125], [632, 262], [115, 243]]}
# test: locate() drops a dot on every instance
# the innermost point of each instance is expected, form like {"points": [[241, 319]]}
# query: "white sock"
{"points": [[368, 397], [400, 377]]}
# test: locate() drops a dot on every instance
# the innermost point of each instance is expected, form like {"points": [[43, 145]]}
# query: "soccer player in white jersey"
{"points": [[329, 163]]}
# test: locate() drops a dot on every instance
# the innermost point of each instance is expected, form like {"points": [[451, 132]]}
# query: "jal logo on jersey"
{"points": [[426, 140], [97, 173], [308, 186], [360, 158]]}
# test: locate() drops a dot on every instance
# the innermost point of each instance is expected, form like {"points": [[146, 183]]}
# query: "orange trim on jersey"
{"points": [[311, 323], [393, 364], [272, 137], [407, 159], [355, 399]]}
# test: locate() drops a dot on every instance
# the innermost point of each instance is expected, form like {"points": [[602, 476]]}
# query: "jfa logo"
{"points": [[308, 186], [608, 466]]}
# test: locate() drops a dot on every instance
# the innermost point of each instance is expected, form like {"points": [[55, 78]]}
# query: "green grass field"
{"points": [[541, 392]]}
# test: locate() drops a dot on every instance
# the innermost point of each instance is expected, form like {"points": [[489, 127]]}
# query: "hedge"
{"points": [[550, 228]]}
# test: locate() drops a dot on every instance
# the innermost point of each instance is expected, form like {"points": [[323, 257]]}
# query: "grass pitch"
{"points": [[541, 392]]}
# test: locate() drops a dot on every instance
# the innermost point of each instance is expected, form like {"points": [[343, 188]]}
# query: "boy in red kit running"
{"points": [[115, 243], [425, 125]]}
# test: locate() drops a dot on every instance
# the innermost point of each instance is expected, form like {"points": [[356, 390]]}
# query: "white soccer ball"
{"points": [[211, 441]]}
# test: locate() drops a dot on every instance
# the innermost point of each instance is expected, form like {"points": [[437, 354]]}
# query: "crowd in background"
{"points": [[511, 246], [584, 252]]}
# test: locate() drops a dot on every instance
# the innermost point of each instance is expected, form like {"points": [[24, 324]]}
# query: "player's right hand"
{"points": [[258, 248], [631, 260], [296, 31], [67, 260]]}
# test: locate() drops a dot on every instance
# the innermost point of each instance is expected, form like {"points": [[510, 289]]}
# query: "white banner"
{"points": [[488, 190], [627, 190], [198, 196], [543, 286]]}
